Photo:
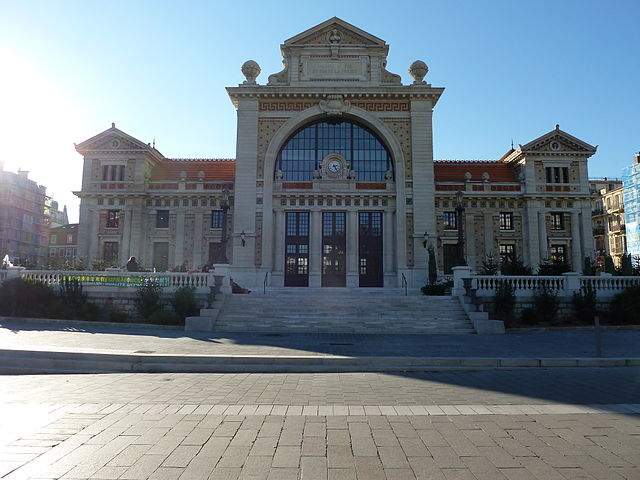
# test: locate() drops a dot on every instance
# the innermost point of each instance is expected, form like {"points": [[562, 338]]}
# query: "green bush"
{"points": [[164, 317], [589, 267], [515, 267], [148, 299], [437, 288], [545, 304], [585, 303], [609, 267], [625, 307], [528, 316], [184, 302], [626, 266], [27, 298], [553, 267], [504, 301], [489, 266]]}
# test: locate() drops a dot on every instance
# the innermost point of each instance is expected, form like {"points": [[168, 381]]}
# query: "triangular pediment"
{"points": [[334, 31], [558, 141], [114, 140]]}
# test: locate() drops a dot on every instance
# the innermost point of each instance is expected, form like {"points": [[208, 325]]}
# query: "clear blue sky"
{"points": [[511, 69]]}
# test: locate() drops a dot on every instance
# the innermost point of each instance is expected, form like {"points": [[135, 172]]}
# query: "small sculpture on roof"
{"points": [[250, 69], [486, 177], [467, 176], [418, 70]]}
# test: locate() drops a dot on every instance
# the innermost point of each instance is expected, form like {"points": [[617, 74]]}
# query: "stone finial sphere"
{"points": [[418, 70], [250, 69]]}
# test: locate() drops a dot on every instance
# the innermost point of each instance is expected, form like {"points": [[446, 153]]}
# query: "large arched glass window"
{"points": [[362, 148]]}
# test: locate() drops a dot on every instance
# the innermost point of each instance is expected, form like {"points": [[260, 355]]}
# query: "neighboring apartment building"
{"points": [[631, 182], [63, 242], [334, 182], [57, 217], [608, 218], [24, 224]]}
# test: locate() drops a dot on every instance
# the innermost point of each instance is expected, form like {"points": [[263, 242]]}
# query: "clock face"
{"points": [[334, 166]]}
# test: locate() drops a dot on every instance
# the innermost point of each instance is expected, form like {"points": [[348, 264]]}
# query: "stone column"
{"points": [[424, 217], [315, 249], [197, 241], [532, 245], [94, 248], [136, 248], [542, 235], [84, 230], [586, 226], [387, 246], [576, 247], [489, 248], [179, 255], [278, 248], [470, 240], [353, 278], [126, 237], [244, 211]]}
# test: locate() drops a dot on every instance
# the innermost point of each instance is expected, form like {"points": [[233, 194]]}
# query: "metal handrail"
{"points": [[264, 283], [404, 284]]}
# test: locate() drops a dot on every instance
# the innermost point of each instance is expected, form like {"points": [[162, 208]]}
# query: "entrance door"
{"points": [[370, 249], [334, 271], [296, 261]]}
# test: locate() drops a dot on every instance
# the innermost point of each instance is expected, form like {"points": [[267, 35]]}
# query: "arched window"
{"points": [[361, 147]]}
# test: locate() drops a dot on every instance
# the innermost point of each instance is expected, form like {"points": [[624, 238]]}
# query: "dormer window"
{"points": [[557, 174], [113, 173]]}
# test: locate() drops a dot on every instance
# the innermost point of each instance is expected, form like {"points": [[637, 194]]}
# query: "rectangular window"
{"points": [[557, 174], [69, 238], [113, 218], [507, 252], [565, 174], [450, 221], [53, 239], [549, 175], [506, 221], [162, 219], [113, 173], [110, 252], [558, 253], [216, 219], [557, 221]]}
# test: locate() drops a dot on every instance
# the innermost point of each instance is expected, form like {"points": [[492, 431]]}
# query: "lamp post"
{"points": [[224, 205], [459, 211]]}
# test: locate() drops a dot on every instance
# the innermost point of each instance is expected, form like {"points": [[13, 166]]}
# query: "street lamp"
{"points": [[459, 211], [224, 205]]}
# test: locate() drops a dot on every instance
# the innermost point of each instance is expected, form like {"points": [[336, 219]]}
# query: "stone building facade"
{"points": [[63, 243], [609, 229], [334, 182]]}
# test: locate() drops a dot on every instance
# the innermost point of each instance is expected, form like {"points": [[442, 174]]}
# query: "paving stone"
{"points": [[286, 457]]}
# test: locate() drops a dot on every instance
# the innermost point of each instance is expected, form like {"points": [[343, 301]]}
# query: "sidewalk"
{"points": [[128, 348]]}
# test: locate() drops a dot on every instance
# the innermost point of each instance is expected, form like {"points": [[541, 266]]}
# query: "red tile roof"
{"points": [[454, 171], [222, 169]]}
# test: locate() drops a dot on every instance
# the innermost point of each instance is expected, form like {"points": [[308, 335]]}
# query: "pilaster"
{"points": [[542, 235], [179, 254], [489, 248], [197, 241], [352, 249], [576, 248], [315, 249]]}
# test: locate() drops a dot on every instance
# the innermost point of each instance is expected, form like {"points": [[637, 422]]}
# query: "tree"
{"points": [[609, 267], [489, 265], [433, 271], [626, 266], [589, 268]]}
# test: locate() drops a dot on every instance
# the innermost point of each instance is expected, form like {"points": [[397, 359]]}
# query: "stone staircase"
{"points": [[329, 310]]}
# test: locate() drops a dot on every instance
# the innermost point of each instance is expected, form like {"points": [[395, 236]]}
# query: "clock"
{"points": [[334, 166]]}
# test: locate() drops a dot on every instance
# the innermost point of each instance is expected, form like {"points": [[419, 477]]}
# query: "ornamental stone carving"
{"points": [[334, 105], [418, 70], [250, 69]]}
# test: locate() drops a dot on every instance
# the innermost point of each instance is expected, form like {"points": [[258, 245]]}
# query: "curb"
{"points": [[42, 361], [91, 323]]}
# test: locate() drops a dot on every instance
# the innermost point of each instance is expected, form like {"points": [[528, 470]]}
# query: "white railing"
{"points": [[608, 286], [523, 286]]}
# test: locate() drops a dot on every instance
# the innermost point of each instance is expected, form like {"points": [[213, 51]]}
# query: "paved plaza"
{"points": [[509, 424], [79, 336]]}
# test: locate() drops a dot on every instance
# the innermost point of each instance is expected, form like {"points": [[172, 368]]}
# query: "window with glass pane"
{"points": [[216, 219], [362, 148], [557, 221], [450, 221], [506, 221], [162, 219], [507, 252], [113, 219], [110, 252], [558, 253]]}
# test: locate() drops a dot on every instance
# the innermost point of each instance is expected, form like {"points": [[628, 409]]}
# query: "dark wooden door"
{"points": [[296, 261], [334, 268], [370, 249]]}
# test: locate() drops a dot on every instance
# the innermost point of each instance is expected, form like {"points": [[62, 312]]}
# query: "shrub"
{"points": [[27, 298], [489, 266], [148, 299], [184, 302], [118, 316], [528, 316], [437, 288], [98, 265], [553, 267], [545, 301], [164, 317], [625, 306], [515, 267], [433, 270], [609, 267], [585, 303], [589, 267], [505, 300], [626, 266], [71, 292]]}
